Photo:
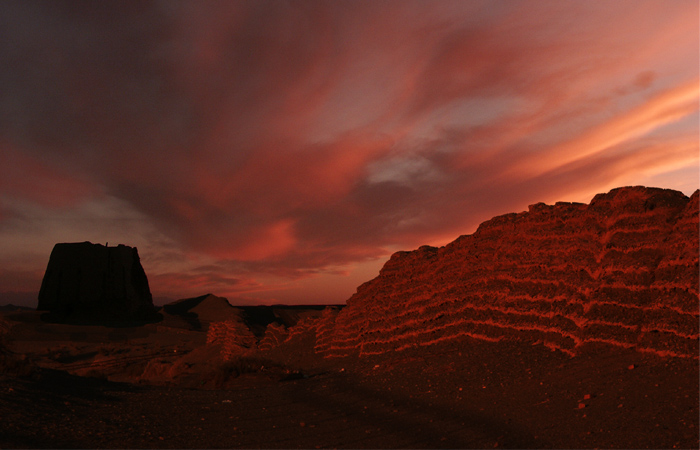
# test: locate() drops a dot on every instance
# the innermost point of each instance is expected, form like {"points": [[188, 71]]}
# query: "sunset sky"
{"points": [[279, 152]]}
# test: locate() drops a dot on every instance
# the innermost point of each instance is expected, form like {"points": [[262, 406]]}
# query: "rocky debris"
{"points": [[621, 271], [93, 283]]}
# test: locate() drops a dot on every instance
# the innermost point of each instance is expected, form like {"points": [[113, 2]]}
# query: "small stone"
{"points": [[302, 424], [631, 366], [581, 405], [587, 396]]}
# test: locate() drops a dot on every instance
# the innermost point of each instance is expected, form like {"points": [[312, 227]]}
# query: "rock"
{"points": [[91, 283], [620, 272]]}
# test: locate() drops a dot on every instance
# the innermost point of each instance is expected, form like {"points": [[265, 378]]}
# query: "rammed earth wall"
{"points": [[621, 271]]}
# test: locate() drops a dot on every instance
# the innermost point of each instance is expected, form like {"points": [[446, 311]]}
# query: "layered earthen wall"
{"points": [[620, 271]]}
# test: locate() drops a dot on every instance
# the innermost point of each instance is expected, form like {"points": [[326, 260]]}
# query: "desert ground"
{"points": [[160, 385]]}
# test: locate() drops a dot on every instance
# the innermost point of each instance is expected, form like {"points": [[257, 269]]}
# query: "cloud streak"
{"points": [[253, 144]]}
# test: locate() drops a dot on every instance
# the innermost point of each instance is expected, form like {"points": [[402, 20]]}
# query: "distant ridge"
{"points": [[621, 271]]}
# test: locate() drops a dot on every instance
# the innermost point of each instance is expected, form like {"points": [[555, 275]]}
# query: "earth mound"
{"points": [[200, 311], [620, 272]]}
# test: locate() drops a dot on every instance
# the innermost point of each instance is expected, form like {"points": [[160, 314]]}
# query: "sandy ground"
{"points": [[160, 386]]}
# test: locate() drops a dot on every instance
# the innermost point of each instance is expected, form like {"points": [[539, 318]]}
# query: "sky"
{"points": [[281, 151]]}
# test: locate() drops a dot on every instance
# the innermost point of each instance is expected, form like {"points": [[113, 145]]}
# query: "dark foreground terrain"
{"points": [[471, 394]]}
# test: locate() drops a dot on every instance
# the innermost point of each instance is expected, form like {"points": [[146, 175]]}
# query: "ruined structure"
{"points": [[621, 271], [88, 283]]}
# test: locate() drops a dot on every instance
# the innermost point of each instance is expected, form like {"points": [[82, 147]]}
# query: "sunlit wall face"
{"points": [[279, 152]]}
